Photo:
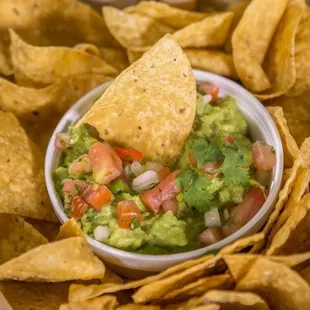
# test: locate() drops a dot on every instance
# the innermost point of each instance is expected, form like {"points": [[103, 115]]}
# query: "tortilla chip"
{"points": [[251, 40], [154, 291], [133, 56], [80, 292], [305, 152], [283, 197], [106, 302], [17, 237], [64, 260], [87, 48], [241, 244], [111, 277], [22, 175], [117, 58], [290, 148], [207, 307], [293, 236], [302, 56], [48, 229], [5, 60], [38, 66], [72, 22], [280, 64], [166, 14], [35, 296], [235, 300], [71, 228], [4, 303], [238, 8], [279, 285], [305, 273], [210, 32], [198, 288], [137, 307], [134, 31], [145, 94], [214, 61]]}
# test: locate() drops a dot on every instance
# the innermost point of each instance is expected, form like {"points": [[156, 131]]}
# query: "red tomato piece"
{"points": [[61, 141], [170, 205], [98, 196], [228, 139], [210, 89], [192, 159], [247, 209], [126, 211], [263, 156], [163, 173], [78, 207], [74, 187], [229, 229], [128, 154], [210, 236], [165, 190], [106, 165]]}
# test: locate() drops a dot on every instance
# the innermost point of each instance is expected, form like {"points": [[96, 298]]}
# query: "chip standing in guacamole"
{"points": [[122, 199]]}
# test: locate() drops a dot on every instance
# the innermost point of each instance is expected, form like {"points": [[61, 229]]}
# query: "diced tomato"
{"points": [[126, 211], [61, 141], [74, 187], [78, 207], [170, 205], [105, 163], [247, 209], [98, 196], [210, 89], [80, 165], [229, 229], [165, 190], [128, 154], [263, 156], [210, 236], [163, 173], [192, 159], [228, 139]]}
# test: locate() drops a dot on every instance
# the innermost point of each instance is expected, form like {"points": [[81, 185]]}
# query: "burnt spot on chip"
{"points": [[8, 161], [106, 132], [15, 11], [174, 59], [42, 203], [184, 74], [139, 127], [182, 110], [35, 113]]}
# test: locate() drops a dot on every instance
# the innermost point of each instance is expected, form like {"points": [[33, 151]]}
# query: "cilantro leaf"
{"points": [[195, 190], [205, 151]]}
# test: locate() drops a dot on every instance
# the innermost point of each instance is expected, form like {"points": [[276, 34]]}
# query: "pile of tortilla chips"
{"points": [[53, 52]]}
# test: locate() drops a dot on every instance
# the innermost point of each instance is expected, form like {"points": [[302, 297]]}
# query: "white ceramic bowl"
{"points": [[261, 127]]}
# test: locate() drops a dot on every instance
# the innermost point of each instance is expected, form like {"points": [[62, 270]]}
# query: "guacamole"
{"points": [[125, 201]]}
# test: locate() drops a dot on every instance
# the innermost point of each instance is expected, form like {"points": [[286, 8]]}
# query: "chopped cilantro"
{"points": [[134, 223]]}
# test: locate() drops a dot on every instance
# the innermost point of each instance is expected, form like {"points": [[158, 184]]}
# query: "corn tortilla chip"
{"points": [[293, 236], [305, 273], [283, 197], [279, 285], [210, 32], [305, 152], [302, 56], [241, 244], [4, 303], [147, 88], [251, 40], [22, 175], [173, 17], [280, 64], [17, 237], [46, 65], [106, 302], [137, 307], [72, 22], [207, 307], [235, 300], [134, 31], [116, 58], [87, 48], [5, 60], [71, 228], [79, 292], [48, 229], [133, 56], [198, 288], [214, 61], [290, 147], [64, 260]]}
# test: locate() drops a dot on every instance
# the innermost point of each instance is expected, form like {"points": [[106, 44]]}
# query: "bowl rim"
{"points": [[182, 256]]}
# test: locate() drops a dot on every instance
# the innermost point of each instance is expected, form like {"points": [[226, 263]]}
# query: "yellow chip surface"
{"points": [[105, 302]]}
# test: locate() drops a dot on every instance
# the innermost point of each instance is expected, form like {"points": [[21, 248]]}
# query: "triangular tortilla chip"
{"points": [[116, 58], [134, 31], [5, 61], [142, 108], [166, 14], [210, 32], [22, 177], [41, 66], [137, 307], [107, 302], [68, 259], [71, 228], [17, 237]]}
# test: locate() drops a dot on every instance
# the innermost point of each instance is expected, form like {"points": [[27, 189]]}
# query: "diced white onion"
{"points": [[206, 99], [101, 233], [127, 171], [136, 168], [151, 165], [226, 215], [145, 181], [212, 218]]}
